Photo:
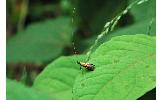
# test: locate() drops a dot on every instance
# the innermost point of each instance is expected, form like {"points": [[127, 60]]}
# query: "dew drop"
{"points": [[73, 10]]}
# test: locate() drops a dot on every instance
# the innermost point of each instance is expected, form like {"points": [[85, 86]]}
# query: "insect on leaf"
{"points": [[125, 70]]}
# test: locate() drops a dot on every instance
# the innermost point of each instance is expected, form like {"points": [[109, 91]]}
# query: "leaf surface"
{"points": [[125, 70], [17, 91], [40, 42], [58, 77], [143, 11]]}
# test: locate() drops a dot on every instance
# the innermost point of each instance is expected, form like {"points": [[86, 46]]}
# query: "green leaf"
{"points": [[17, 91], [144, 11], [144, 23], [125, 70], [40, 42], [140, 27], [58, 77]]}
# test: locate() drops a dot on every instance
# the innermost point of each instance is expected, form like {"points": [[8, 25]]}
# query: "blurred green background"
{"points": [[40, 31]]}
